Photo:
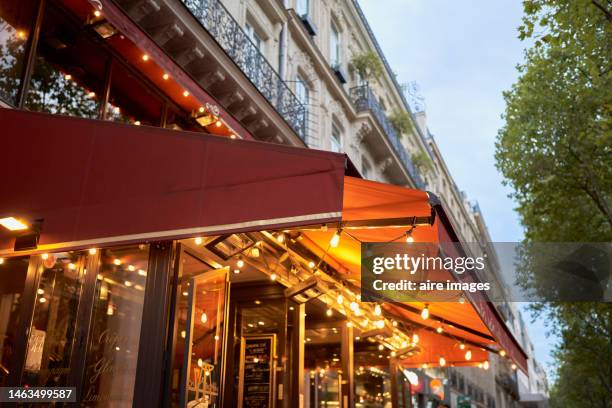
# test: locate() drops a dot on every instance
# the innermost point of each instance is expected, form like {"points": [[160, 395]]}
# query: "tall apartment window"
{"points": [[303, 94], [336, 140], [366, 168], [303, 7], [334, 47], [252, 33]]}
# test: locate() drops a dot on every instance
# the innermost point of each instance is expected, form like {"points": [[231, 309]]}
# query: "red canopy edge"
{"points": [[95, 182], [481, 303]]}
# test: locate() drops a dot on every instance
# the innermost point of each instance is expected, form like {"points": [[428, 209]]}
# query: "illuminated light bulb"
{"points": [[462, 346], [381, 347], [513, 366], [100, 277], [216, 337], [232, 136], [240, 263], [329, 312], [393, 354], [200, 362], [340, 299], [218, 123], [440, 329], [377, 310], [198, 241], [201, 109], [442, 361], [203, 318], [354, 306], [71, 266], [261, 323], [185, 293], [142, 272], [185, 93], [236, 271], [365, 322], [117, 261], [468, 355], [42, 300], [97, 13], [425, 313], [1, 261], [461, 300], [93, 251], [128, 283], [165, 77], [183, 333], [415, 338], [349, 324], [479, 365], [394, 323], [91, 94], [335, 239], [404, 344], [145, 57], [273, 277], [40, 291], [311, 264], [502, 353], [137, 123], [255, 252], [280, 238], [45, 256], [380, 324], [68, 77], [424, 366], [485, 365], [131, 268], [110, 310], [21, 34], [409, 239]]}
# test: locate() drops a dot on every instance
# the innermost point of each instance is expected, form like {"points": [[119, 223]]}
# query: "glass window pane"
{"points": [[336, 140], [68, 75], [13, 273], [302, 7], [15, 20], [334, 47], [115, 331], [54, 321]]}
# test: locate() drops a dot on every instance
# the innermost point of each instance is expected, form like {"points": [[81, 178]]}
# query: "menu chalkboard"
{"points": [[257, 371]]}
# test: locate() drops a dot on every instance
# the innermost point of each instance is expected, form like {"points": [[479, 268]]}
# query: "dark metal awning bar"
{"points": [[373, 223]]}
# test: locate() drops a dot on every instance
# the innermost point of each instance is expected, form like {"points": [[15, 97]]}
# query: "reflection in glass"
{"points": [[10, 299], [115, 331], [54, 322], [372, 378], [15, 20], [322, 367]]}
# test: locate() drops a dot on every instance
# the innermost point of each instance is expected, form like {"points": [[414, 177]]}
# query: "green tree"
{"points": [[367, 65], [555, 151]]}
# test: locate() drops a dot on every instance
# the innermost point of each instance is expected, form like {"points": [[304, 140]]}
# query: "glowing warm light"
{"points": [[442, 361], [255, 252], [394, 323], [201, 109], [462, 346], [485, 365], [71, 266], [68, 77], [380, 324], [93, 251], [440, 329], [261, 323], [354, 306], [381, 347], [137, 123], [198, 241], [232, 136], [45, 256], [185, 293], [236, 271], [340, 299], [218, 123], [335, 240], [513, 366], [502, 353], [40, 291], [183, 333], [165, 77], [110, 310], [145, 57], [468, 355], [409, 239], [117, 261], [127, 283], [415, 338], [91, 94], [131, 268], [393, 354], [97, 13], [203, 318], [42, 300], [13, 224], [239, 263], [349, 324], [273, 277], [200, 362], [185, 93], [21, 34], [377, 310], [425, 313], [280, 238], [311, 264], [329, 312], [1, 261], [142, 272]]}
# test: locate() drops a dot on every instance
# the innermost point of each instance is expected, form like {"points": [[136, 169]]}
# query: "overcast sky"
{"points": [[463, 56]]}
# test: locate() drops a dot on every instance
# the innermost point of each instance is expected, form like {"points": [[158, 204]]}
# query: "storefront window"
{"points": [[200, 321], [68, 74], [16, 18], [372, 378], [54, 321], [322, 367], [13, 273], [115, 330]]}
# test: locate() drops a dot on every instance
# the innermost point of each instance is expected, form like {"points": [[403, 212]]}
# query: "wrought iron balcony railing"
{"points": [[222, 26], [364, 99]]}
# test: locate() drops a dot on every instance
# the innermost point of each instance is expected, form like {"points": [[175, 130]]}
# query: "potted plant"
{"points": [[367, 65]]}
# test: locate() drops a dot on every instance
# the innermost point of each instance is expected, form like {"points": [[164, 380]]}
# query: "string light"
{"points": [[198, 241], [165, 77], [381, 347], [145, 57], [280, 238], [218, 123], [236, 271], [485, 365], [1, 261], [311, 264], [462, 346], [513, 366], [71, 266], [335, 239], [425, 313], [380, 324], [203, 318], [442, 361], [340, 299], [415, 338], [185, 93], [354, 306], [439, 329], [349, 324], [502, 353], [329, 312], [137, 123], [377, 310], [93, 251], [468, 355], [142, 272], [45, 256], [97, 13], [273, 277], [240, 263], [255, 252]]}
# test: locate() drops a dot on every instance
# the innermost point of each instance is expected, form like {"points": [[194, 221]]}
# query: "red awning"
{"points": [[94, 182]]}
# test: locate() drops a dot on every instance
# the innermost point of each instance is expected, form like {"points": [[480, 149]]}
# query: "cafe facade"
{"points": [[154, 254]]}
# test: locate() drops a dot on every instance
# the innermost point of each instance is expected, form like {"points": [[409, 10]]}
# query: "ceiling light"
{"points": [[468, 355], [378, 310], [442, 361], [97, 13], [198, 241], [165, 77], [185, 93], [92, 251], [142, 272], [13, 224], [335, 239], [145, 57], [425, 313]]}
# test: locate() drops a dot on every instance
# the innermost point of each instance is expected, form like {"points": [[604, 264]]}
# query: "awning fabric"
{"points": [[94, 182], [476, 321]]}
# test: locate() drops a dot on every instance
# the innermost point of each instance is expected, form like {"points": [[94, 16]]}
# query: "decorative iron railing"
{"points": [[222, 26], [364, 99]]}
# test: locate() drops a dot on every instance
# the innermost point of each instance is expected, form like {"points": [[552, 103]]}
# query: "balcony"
{"points": [[226, 31], [364, 100]]}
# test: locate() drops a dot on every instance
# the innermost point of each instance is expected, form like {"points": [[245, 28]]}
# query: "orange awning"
{"points": [[378, 212]]}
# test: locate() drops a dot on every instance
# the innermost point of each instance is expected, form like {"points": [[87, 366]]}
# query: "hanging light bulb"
{"points": [[380, 324], [92, 251], [415, 338], [365, 322], [280, 238], [329, 312], [45, 256], [468, 355], [377, 310], [425, 313], [240, 263], [203, 318], [394, 323], [255, 252], [502, 353], [462, 346], [311, 264], [439, 329], [485, 365], [198, 241], [354, 306], [442, 361], [513, 366], [349, 324], [273, 277], [409, 237], [381, 347], [335, 239], [340, 299]]}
